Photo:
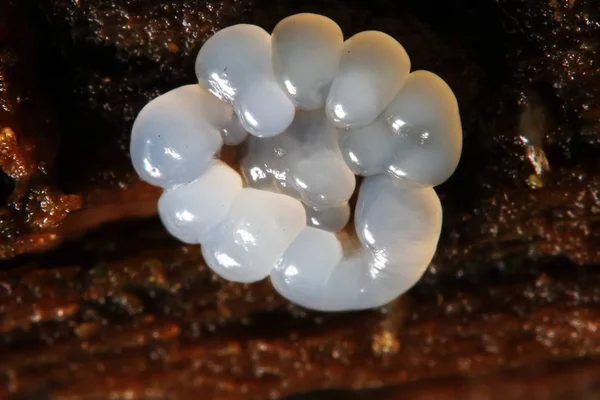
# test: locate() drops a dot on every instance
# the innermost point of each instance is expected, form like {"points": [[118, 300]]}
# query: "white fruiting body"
{"points": [[319, 110]]}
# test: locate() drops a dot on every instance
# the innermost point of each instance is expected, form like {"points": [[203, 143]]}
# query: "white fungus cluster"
{"points": [[319, 110]]}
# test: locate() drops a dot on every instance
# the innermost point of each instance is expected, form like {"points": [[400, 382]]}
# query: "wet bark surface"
{"points": [[97, 301]]}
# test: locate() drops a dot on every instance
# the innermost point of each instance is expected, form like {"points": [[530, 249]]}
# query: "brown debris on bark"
{"points": [[98, 302]]}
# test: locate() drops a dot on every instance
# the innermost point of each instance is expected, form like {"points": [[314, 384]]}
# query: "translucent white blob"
{"points": [[322, 278], [330, 219], [176, 135], [418, 137], [265, 166], [235, 65], [316, 167], [322, 179], [190, 211], [368, 150], [263, 108], [306, 54], [426, 124], [372, 70], [302, 273], [233, 133], [398, 226], [258, 228], [303, 162], [346, 284], [315, 273], [417, 219]]}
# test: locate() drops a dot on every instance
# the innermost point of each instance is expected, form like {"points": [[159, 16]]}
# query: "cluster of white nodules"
{"points": [[319, 110], [304, 162]]}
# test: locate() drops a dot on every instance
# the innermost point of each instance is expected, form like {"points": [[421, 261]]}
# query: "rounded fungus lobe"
{"points": [[425, 123], [304, 161], [421, 123], [306, 55], [254, 234], [373, 68], [190, 212], [235, 65], [176, 135], [319, 111], [368, 150], [398, 226]]}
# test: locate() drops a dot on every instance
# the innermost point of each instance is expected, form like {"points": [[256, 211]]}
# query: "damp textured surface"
{"points": [[90, 281]]}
